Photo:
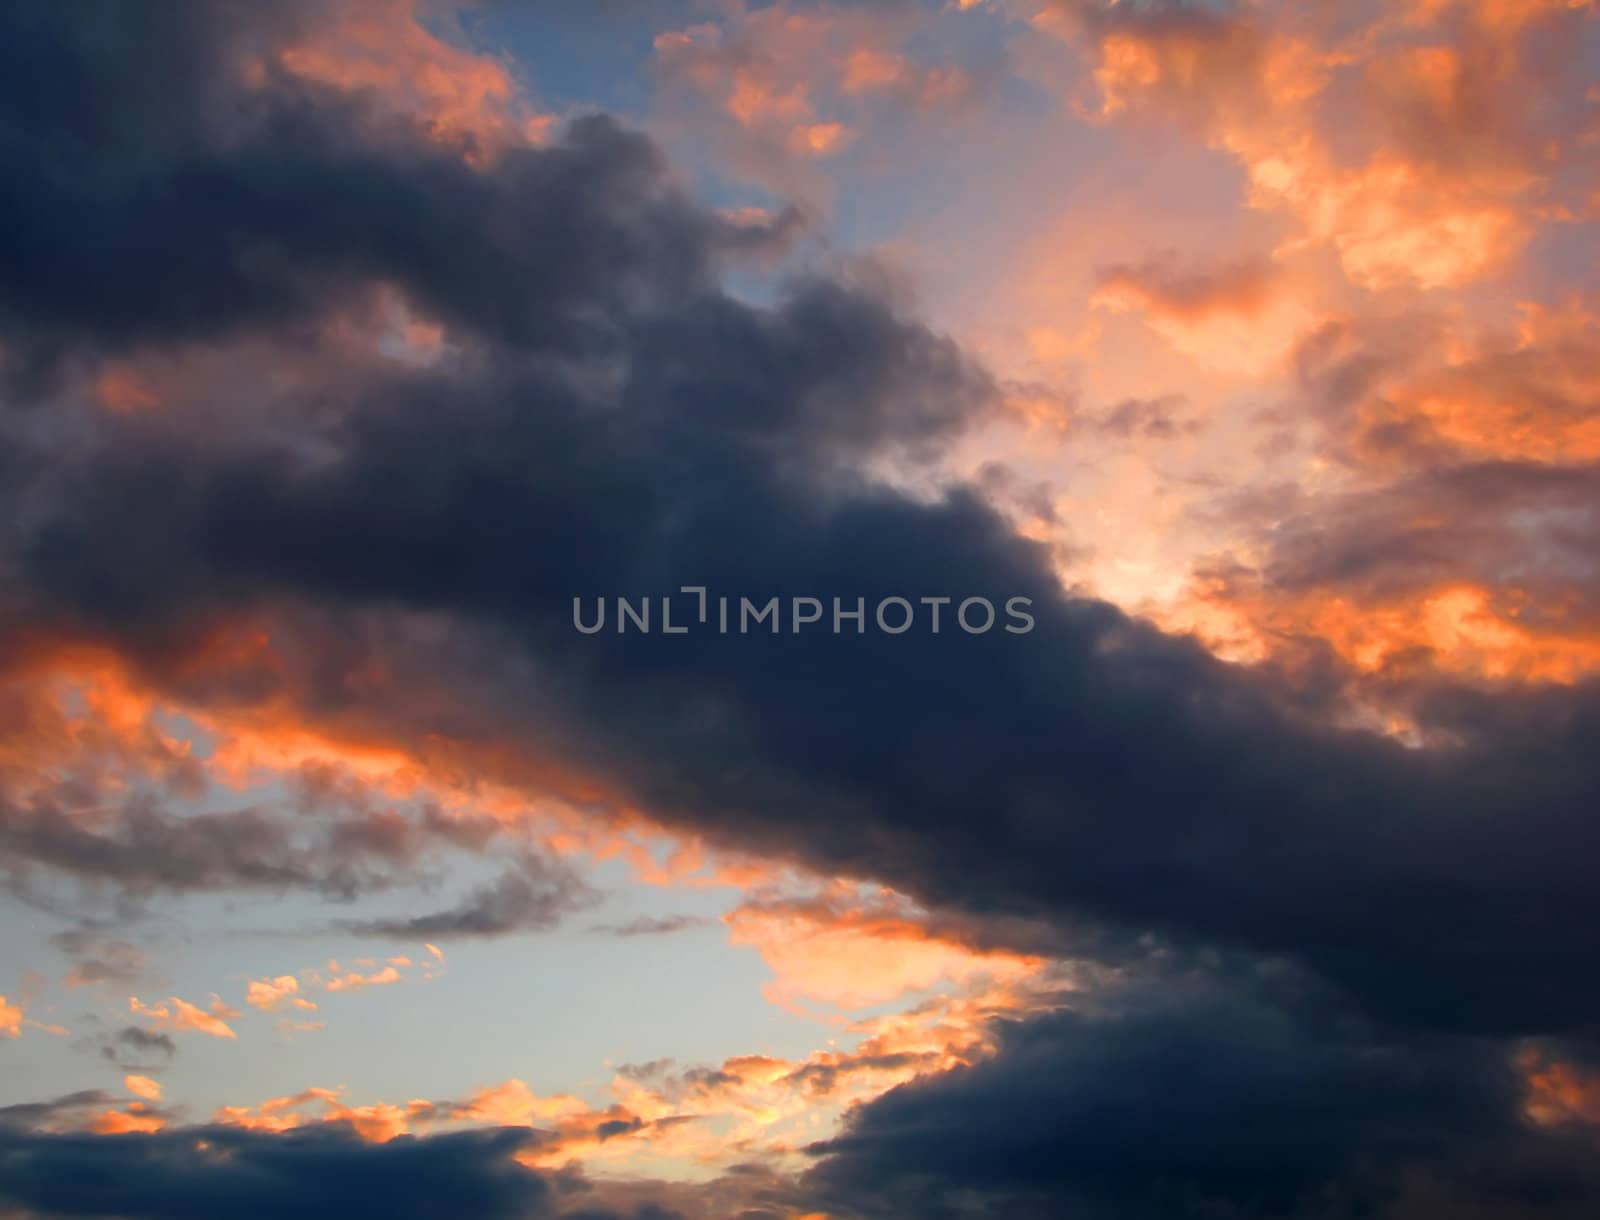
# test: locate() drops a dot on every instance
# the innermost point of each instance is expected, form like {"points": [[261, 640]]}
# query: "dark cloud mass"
{"points": [[322, 1172], [1188, 1100], [609, 420]]}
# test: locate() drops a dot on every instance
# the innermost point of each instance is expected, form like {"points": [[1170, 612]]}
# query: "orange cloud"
{"points": [[1533, 394], [780, 85], [513, 1103], [857, 954], [1444, 520], [1419, 165], [1236, 316], [120, 388], [269, 994], [381, 50], [176, 1014], [777, 1106], [142, 1087], [752, 78], [10, 1019], [701, 1119], [354, 980], [379, 1122], [136, 1118], [1557, 1092]]}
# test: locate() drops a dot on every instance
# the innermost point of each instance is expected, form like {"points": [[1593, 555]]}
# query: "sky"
{"points": [[1242, 357]]}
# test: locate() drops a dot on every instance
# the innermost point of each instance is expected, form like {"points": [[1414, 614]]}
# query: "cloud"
{"points": [[1477, 570], [48, 1115], [319, 1172], [1200, 1098], [14, 1019], [97, 791], [859, 952], [141, 1042], [354, 980], [653, 925], [271, 993], [1454, 534], [99, 959], [532, 898], [1241, 316], [145, 849], [294, 156], [384, 50], [328, 1171], [1170, 290], [1420, 147], [176, 1014], [1146, 419], [143, 1086], [90, 1111], [567, 1125], [778, 88]]}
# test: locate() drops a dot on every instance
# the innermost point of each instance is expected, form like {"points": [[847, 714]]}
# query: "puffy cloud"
{"points": [[271, 993], [1420, 147], [384, 49], [1457, 536], [291, 150]]}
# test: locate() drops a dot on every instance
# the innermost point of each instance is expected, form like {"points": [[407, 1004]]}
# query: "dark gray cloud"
{"points": [[533, 897], [142, 848], [654, 925], [1146, 419], [30, 1114], [324, 1171], [1191, 1099], [132, 1044], [1527, 526], [167, 201]]}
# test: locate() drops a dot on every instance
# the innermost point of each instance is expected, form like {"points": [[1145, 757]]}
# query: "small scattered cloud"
{"points": [[177, 1014]]}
